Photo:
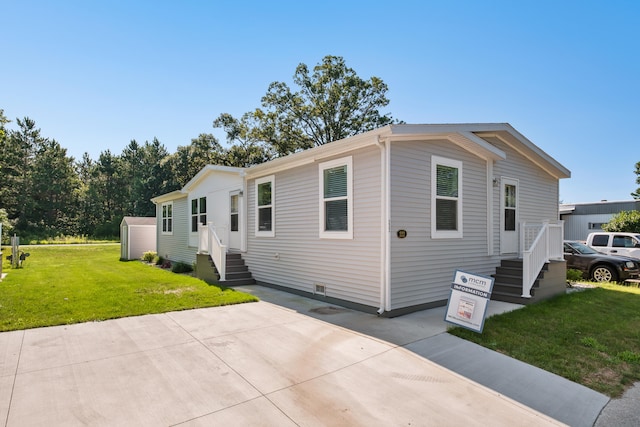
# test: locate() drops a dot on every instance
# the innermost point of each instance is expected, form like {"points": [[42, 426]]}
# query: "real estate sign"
{"points": [[470, 294]]}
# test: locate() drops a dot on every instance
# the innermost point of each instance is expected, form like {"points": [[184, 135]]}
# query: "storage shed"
{"points": [[137, 236]]}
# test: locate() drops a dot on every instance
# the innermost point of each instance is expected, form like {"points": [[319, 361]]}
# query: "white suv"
{"points": [[626, 244]]}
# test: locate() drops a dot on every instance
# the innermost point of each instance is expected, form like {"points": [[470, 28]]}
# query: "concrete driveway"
{"points": [[280, 363]]}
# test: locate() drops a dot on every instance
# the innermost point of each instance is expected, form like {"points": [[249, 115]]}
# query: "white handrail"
{"points": [[210, 243], [539, 250]]}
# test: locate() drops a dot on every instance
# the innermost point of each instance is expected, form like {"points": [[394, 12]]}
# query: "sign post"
{"points": [[470, 295]]}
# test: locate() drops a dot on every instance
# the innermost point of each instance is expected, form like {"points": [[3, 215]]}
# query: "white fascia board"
{"points": [[465, 139], [528, 149], [478, 146], [316, 154], [174, 195], [206, 171]]}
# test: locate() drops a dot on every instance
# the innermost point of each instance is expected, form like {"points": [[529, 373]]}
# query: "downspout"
{"points": [[384, 225], [245, 212]]}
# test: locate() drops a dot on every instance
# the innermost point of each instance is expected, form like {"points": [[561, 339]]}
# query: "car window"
{"points": [[578, 248], [600, 240], [623, 242]]}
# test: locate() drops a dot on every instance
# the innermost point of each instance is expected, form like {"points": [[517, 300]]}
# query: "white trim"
{"points": [[198, 214], [272, 232], [162, 218], [324, 234], [490, 219], [445, 234], [511, 181], [238, 193]]}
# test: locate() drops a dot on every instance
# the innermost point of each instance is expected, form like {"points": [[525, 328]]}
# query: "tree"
{"points": [[636, 194], [55, 191], [332, 103], [88, 209], [108, 189], [625, 221], [7, 227], [17, 156], [188, 160], [155, 177], [247, 149]]}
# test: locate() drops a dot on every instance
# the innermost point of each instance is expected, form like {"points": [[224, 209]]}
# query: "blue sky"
{"points": [[95, 75]]}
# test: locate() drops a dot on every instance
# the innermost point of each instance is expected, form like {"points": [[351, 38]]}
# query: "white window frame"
{"points": [[199, 214], [272, 232], [445, 234], [163, 218], [324, 234]]}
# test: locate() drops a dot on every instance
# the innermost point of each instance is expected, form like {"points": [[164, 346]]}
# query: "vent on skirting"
{"points": [[320, 289]]}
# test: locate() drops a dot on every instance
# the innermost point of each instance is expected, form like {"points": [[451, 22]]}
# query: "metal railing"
{"points": [[539, 243], [210, 243]]}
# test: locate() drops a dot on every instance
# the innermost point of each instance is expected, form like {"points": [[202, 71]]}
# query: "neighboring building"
{"points": [[380, 221], [580, 219], [137, 236]]}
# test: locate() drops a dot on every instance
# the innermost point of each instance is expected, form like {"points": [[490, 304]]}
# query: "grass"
{"points": [[71, 284], [590, 337]]}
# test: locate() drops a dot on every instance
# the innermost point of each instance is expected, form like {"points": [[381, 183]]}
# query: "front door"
{"points": [[235, 222], [509, 216]]}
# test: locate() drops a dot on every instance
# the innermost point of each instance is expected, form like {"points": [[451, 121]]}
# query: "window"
{"points": [[336, 211], [167, 218], [265, 207], [596, 225], [198, 213], [510, 207], [623, 242], [446, 199], [600, 240], [234, 212]]}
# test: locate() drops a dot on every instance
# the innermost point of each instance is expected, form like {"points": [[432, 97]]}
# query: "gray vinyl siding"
{"points": [[297, 258], [175, 247], [422, 268], [576, 227], [539, 192]]}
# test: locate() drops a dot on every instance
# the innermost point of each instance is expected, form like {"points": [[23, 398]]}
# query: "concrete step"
{"points": [[238, 282]]}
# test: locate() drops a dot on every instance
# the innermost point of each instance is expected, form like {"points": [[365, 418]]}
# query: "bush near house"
{"points": [[149, 256]]}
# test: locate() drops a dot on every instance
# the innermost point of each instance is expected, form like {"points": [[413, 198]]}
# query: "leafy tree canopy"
{"points": [[636, 194], [331, 103], [625, 221]]}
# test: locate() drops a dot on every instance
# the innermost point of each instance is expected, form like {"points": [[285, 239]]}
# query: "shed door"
{"points": [[509, 216]]}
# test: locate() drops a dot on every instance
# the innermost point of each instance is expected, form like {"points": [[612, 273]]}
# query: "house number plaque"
{"points": [[402, 234]]}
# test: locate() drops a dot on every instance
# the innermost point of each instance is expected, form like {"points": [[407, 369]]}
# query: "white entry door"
{"points": [[235, 220], [509, 217]]}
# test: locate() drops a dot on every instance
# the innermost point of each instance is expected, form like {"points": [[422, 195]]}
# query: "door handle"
{"points": [[613, 251]]}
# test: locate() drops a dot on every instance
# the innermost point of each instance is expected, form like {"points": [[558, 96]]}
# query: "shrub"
{"points": [[149, 256], [628, 221], [181, 267], [573, 275]]}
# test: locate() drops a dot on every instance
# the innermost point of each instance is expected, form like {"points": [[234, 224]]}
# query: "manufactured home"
{"points": [[382, 220]]}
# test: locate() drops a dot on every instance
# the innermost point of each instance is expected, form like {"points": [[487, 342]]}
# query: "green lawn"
{"points": [[591, 337], [70, 284]]}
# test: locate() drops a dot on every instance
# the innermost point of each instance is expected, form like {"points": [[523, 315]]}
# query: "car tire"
{"points": [[603, 273]]}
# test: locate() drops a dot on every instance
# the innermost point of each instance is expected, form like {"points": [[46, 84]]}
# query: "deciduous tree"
{"points": [[636, 194], [331, 103]]}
